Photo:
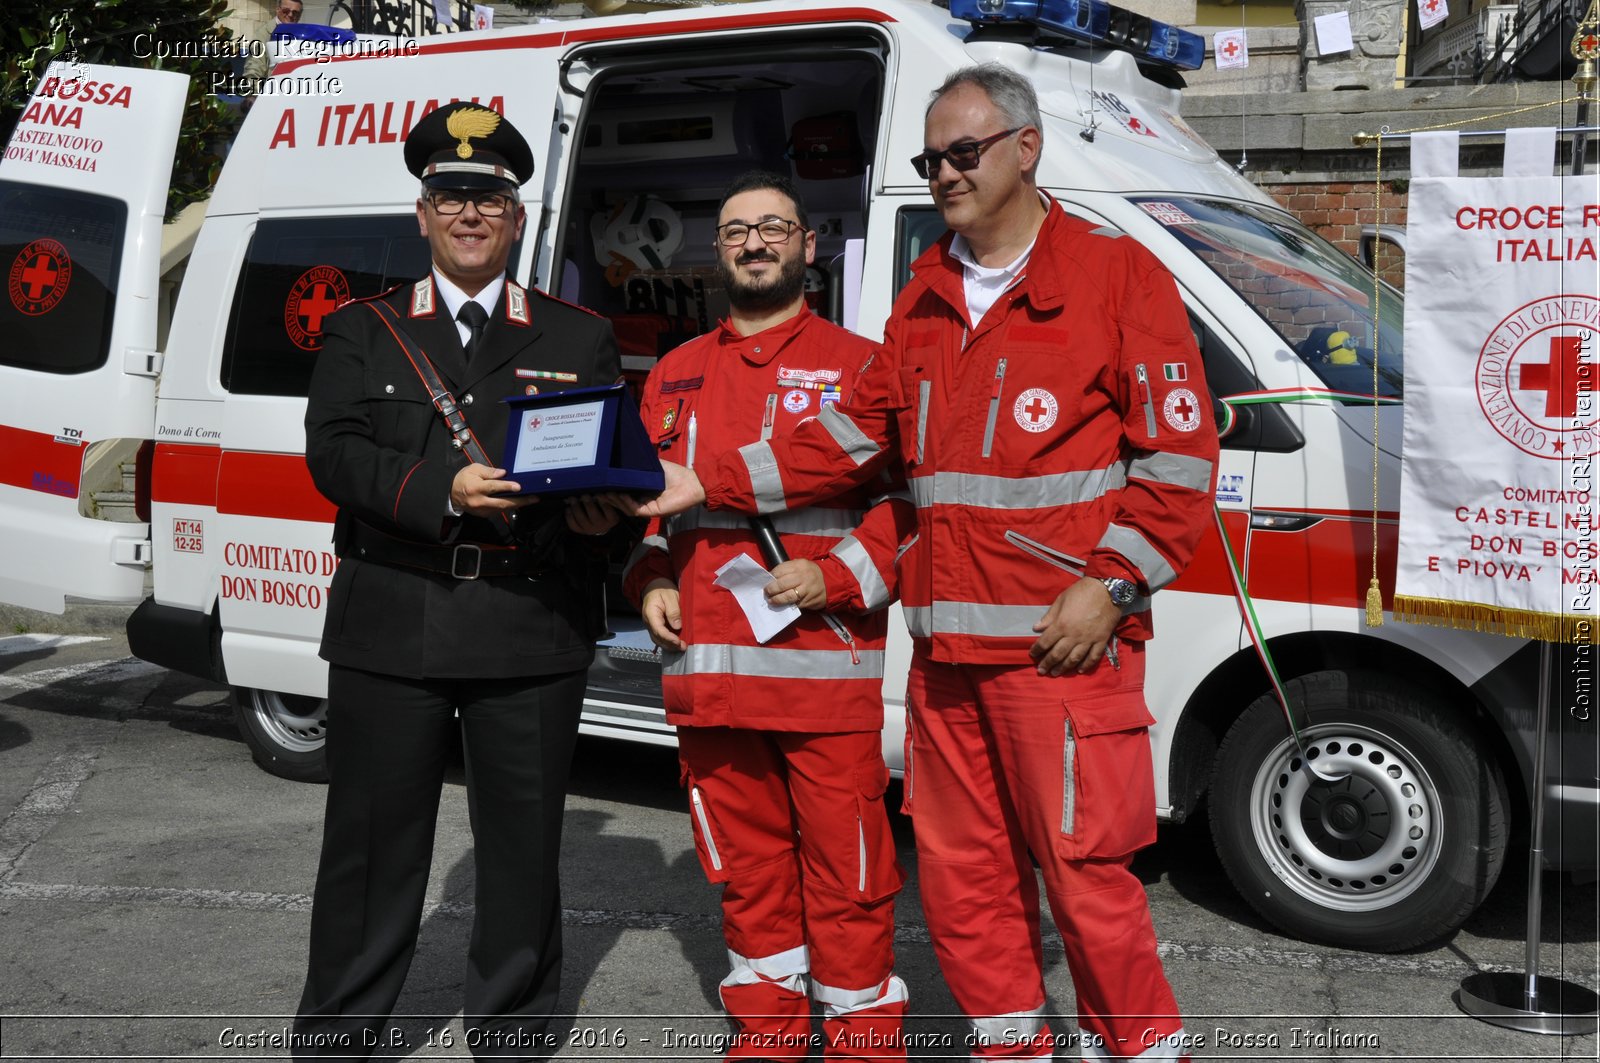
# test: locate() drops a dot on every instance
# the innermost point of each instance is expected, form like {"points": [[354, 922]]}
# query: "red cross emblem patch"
{"points": [[1035, 410], [39, 277], [315, 294], [1538, 374], [1181, 409]]}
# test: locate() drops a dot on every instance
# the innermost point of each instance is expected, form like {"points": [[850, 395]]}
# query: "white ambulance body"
{"points": [[314, 205]]}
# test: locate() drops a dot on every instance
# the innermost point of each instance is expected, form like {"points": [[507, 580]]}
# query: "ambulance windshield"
{"points": [[1318, 298]]}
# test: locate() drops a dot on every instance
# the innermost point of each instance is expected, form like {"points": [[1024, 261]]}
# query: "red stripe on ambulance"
{"points": [[35, 461]]}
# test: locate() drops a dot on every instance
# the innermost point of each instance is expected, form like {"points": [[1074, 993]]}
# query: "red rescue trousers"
{"points": [[794, 827], [1001, 763]]}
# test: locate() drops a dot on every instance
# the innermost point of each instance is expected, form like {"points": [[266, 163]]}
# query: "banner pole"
{"points": [[1525, 1001]]}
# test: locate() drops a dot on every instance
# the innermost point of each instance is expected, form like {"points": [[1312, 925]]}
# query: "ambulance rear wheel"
{"points": [[1398, 851], [285, 732]]}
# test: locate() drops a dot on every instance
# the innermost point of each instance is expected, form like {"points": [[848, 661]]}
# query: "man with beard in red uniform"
{"points": [[1040, 386], [780, 740]]}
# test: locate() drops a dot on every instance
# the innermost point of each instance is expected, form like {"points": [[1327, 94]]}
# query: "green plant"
{"points": [[123, 33]]}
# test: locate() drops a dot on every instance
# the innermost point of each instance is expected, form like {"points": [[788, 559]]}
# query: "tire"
{"points": [[285, 732], [1397, 853]]}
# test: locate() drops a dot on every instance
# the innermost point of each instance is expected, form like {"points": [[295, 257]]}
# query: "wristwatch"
{"points": [[1122, 591]]}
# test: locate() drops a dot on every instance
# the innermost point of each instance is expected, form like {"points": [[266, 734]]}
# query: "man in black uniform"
{"points": [[452, 594]]}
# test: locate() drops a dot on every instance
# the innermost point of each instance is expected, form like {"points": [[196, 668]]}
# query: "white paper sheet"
{"points": [[1333, 33], [746, 579]]}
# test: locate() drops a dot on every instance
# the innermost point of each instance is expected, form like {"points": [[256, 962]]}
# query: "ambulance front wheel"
{"points": [[285, 732], [1398, 851]]}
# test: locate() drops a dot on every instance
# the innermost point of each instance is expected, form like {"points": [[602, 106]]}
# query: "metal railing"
{"points": [[1532, 28], [1464, 49]]}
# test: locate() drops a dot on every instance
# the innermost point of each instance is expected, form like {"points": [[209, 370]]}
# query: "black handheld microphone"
{"points": [[774, 553]]}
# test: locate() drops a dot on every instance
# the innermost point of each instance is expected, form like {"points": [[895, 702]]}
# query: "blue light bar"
{"points": [[1085, 20], [1094, 22], [1180, 48], [993, 11]]}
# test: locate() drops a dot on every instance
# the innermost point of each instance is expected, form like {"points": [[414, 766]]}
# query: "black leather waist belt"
{"points": [[460, 560]]}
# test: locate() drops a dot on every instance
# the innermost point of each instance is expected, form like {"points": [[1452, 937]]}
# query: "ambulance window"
{"points": [[61, 252], [296, 272], [917, 229]]}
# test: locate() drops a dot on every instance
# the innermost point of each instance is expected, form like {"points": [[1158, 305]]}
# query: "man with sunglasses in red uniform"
{"points": [[780, 737], [1040, 386]]}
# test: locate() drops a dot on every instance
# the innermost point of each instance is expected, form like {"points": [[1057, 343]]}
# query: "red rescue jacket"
{"points": [[1072, 427], [704, 400]]}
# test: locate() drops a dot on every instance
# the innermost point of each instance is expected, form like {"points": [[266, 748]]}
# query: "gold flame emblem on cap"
{"points": [[469, 122]]}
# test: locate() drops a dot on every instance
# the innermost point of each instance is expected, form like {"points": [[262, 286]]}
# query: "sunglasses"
{"points": [[963, 156]]}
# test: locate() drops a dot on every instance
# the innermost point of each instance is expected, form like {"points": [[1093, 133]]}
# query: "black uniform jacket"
{"points": [[379, 451]]}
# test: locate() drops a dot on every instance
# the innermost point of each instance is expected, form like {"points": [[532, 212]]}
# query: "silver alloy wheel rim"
{"points": [[1358, 845], [293, 722]]}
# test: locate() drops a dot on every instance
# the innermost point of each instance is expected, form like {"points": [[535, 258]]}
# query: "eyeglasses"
{"points": [[963, 156], [735, 233], [290, 14], [489, 204]]}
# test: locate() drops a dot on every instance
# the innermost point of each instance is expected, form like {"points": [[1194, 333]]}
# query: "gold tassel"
{"points": [[1374, 604]]}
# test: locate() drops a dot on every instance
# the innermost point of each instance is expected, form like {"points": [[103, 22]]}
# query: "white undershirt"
{"points": [[984, 285]]}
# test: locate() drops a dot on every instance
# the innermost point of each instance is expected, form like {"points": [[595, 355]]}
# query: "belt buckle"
{"points": [[476, 555]]}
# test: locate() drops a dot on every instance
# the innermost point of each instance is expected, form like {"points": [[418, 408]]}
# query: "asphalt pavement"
{"points": [[154, 904]]}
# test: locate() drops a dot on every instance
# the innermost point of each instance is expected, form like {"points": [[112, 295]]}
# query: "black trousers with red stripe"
{"points": [[389, 740]]}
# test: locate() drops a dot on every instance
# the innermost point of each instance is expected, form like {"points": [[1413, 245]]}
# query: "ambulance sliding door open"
{"points": [[83, 188]]}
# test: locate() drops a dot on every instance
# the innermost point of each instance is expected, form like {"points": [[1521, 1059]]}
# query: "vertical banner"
{"points": [[1498, 510]]}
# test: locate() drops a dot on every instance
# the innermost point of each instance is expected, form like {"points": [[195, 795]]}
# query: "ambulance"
{"points": [[127, 450]]}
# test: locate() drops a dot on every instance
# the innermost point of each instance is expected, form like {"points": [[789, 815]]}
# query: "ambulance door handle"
{"points": [[137, 362], [131, 551]]}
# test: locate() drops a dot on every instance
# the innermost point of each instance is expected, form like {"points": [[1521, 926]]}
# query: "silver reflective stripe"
{"points": [[705, 828], [1069, 789], [1169, 1047], [1008, 1029], [974, 618], [898, 554], [1181, 470], [1016, 492], [852, 440], [817, 520], [712, 657], [1106, 230], [924, 393], [651, 542], [854, 556], [1137, 549], [765, 483]]}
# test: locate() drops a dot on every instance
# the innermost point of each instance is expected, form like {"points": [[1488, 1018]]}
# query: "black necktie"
{"points": [[474, 316]]}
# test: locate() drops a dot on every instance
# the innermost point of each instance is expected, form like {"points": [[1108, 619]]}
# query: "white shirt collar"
{"points": [[454, 298]]}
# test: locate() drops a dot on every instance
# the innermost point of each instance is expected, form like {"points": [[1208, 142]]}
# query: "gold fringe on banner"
{"points": [[1498, 620]]}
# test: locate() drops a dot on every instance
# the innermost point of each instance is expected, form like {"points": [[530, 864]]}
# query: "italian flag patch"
{"points": [[1175, 371]]}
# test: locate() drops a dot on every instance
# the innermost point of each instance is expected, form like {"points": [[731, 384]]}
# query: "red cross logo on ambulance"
{"points": [[39, 277], [1035, 410], [1181, 409], [315, 294], [1537, 376]]}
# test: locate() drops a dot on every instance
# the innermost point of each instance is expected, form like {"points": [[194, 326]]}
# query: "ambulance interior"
{"points": [[660, 137]]}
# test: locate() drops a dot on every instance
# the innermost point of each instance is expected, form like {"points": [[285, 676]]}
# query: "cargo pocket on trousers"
{"points": [[1108, 799], [706, 835], [878, 873]]}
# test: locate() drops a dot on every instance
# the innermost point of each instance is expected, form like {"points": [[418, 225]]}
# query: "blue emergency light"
{"points": [[1094, 22]]}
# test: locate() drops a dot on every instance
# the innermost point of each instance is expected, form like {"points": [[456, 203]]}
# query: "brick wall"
{"points": [[1337, 210]]}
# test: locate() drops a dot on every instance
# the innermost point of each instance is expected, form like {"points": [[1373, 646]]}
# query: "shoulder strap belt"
{"points": [[460, 432]]}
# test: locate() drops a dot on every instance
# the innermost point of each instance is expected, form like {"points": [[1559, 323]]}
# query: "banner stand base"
{"points": [[1537, 1005]]}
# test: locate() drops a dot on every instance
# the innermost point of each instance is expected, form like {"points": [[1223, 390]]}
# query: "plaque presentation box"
{"points": [[580, 441]]}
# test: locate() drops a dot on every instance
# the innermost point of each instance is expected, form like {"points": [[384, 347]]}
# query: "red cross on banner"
{"points": [[1562, 378]]}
